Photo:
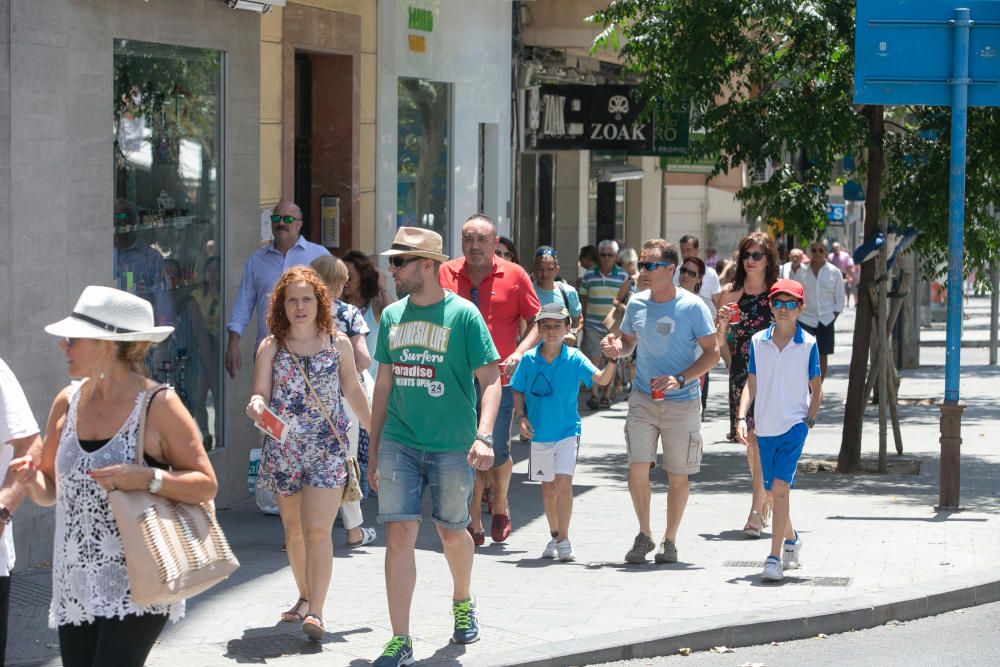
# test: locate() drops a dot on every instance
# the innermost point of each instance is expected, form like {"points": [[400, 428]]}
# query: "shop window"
{"points": [[423, 155], [168, 213]]}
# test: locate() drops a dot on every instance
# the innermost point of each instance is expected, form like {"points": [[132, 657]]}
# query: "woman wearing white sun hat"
{"points": [[89, 440]]}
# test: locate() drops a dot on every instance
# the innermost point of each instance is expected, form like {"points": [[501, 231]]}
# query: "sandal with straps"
{"points": [[293, 615], [765, 514], [312, 625], [754, 525]]}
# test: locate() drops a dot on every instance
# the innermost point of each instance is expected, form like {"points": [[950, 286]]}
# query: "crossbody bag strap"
{"points": [[140, 437], [319, 402]]}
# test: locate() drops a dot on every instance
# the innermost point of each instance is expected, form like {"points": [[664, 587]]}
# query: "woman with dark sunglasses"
{"points": [[692, 273], [744, 311], [505, 249]]}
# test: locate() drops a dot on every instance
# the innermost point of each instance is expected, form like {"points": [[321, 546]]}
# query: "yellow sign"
{"points": [[418, 43]]}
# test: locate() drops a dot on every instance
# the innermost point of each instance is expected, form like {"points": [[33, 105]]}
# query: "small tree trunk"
{"points": [[854, 411]]}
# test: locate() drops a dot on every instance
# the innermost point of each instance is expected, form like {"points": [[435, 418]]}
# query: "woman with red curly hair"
{"points": [[300, 370], [745, 310]]}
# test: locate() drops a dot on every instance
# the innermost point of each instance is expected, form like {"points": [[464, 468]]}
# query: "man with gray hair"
{"points": [[598, 289]]}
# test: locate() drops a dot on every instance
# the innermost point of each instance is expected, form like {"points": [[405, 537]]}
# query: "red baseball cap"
{"points": [[789, 287]]}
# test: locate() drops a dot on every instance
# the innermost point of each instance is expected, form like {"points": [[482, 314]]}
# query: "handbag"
{"points": [[352, 491], [173, 550]]}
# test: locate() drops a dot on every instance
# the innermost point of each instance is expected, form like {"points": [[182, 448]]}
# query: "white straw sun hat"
{"points": [[104, 313]]}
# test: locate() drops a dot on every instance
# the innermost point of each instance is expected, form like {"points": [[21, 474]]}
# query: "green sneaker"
{"points": [[399, 651], [466, 622]]}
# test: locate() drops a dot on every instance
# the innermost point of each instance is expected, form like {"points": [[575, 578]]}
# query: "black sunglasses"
{"points": [[755, 256], [398, 261], [689, 273], [287, 219], [817, 251], [506, 254]]}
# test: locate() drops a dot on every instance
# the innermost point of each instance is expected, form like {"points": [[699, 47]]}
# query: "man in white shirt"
{"points": [[18, 438], [794, 268], [824, 289], [711, 289]]}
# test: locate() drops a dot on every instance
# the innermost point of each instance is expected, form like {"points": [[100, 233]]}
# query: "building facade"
{"points": [[159, 205], [444, 100]]}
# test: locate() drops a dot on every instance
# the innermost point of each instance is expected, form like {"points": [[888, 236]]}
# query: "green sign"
{"points": [[670, 135], [421, 19]]}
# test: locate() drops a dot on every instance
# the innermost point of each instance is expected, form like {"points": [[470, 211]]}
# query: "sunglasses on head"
{"points": [[398, 261], [778, 304], [287, 219], [547, 252], [756, 256], [689, 273], [652, 266]]}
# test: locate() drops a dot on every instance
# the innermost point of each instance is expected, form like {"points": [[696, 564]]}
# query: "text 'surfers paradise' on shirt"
{"points": [[434, 352]]}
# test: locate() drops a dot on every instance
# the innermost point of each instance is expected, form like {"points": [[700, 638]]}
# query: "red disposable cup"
{"points": [[505, 374], [657, 394], [734, 315]]}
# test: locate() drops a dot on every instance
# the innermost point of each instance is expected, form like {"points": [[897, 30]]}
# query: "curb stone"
{"points": [[860, 612]]}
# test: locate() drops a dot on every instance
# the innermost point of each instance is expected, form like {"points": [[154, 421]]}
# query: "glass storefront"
{"points": [[168, 212], [423, 177]]}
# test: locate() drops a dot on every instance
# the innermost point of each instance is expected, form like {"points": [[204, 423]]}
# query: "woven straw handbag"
{"points": [[173, 550]]}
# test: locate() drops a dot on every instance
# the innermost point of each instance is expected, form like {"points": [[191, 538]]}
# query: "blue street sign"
{"points": [[903, 52], [835, 213]]}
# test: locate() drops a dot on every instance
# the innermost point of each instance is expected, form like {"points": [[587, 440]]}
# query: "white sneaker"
{"points": [[565, 550], [790, 553], [551, 550], [772, 570]]}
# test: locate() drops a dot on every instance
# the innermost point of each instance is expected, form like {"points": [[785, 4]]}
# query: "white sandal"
{"points": [[367, 537]]}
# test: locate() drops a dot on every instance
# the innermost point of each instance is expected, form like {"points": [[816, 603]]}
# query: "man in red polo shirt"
{"points": [[504, 295]]}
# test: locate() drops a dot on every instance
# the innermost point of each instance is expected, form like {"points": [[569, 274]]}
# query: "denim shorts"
{"points": [[403, 472], [501, 427], [779, 454]]}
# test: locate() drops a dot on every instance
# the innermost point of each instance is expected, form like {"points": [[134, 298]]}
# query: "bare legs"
{"points": [[500, 482], [641, 491], [759, 496], [401, 568], [307, 518], [557, 499], [782, 520]]}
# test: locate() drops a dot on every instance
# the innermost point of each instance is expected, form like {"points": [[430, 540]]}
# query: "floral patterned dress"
{"points": [[311, 455], [755, 315]]}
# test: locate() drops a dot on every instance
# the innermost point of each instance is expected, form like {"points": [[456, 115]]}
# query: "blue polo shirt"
{"points": [[553, 414]]}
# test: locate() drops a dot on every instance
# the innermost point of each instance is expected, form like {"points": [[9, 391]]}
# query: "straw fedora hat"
{"points": [[417, 242], [104, 313]]}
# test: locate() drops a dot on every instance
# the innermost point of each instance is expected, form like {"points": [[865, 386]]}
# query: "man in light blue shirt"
{"points": [[261, 273], [676, 341]]}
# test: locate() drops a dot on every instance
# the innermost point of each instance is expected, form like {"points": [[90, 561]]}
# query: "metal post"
{"points": [[994, 314], [951, 407], [884, 349]]}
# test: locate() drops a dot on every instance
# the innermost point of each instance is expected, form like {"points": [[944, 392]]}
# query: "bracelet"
{"points": [[741, 419]]}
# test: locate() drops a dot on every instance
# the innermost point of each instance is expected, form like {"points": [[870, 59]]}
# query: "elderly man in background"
{"points": [[598, 289], [824, 290], [796, 266]]}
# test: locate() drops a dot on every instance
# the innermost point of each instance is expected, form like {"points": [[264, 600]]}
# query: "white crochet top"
{"points": [[89, 579]]}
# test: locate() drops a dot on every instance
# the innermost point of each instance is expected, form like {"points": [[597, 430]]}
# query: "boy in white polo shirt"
{"points": [[785, 387], [545, 386]]}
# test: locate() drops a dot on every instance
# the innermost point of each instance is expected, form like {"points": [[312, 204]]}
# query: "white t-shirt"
{"points": [[16, 421]]}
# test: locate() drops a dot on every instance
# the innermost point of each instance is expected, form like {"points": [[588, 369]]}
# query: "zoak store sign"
{"points": [[568, 117]]}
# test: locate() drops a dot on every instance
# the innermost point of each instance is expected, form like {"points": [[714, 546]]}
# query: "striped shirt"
{"points": [[600, 291]]}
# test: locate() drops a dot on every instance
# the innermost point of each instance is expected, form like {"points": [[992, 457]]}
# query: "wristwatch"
{"points": [[681, 380], [156, 483], [484, 438], [810, 422], [5, 515]]}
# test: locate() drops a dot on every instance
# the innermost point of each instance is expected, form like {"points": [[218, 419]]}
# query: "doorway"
{"points": [[324, 147]]}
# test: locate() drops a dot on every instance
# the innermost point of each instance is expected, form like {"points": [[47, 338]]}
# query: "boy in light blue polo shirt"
{"points": [[545, 387], [786, 382]]}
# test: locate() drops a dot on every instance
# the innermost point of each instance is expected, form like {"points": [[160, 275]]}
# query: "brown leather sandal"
{"points": [[294, 615]]}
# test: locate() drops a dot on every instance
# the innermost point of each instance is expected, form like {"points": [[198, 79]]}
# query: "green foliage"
{"points": [[767, 79], [916, 185]]}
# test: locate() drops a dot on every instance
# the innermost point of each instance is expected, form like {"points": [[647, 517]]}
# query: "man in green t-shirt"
{"points": [[424, 430]]}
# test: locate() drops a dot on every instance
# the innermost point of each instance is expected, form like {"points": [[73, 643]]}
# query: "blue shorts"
{"points": [[779, 454], [501, 427], [403, 472]]}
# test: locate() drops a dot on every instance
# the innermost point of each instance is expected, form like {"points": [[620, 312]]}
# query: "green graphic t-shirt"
{"points": [[434, 352]]}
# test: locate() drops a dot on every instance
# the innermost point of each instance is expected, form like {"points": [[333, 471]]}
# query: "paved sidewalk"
{"points": [[863, 535]]}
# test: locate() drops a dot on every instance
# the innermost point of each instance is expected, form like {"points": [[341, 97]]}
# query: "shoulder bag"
{"points": [[352, 491], [173, 550]]}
